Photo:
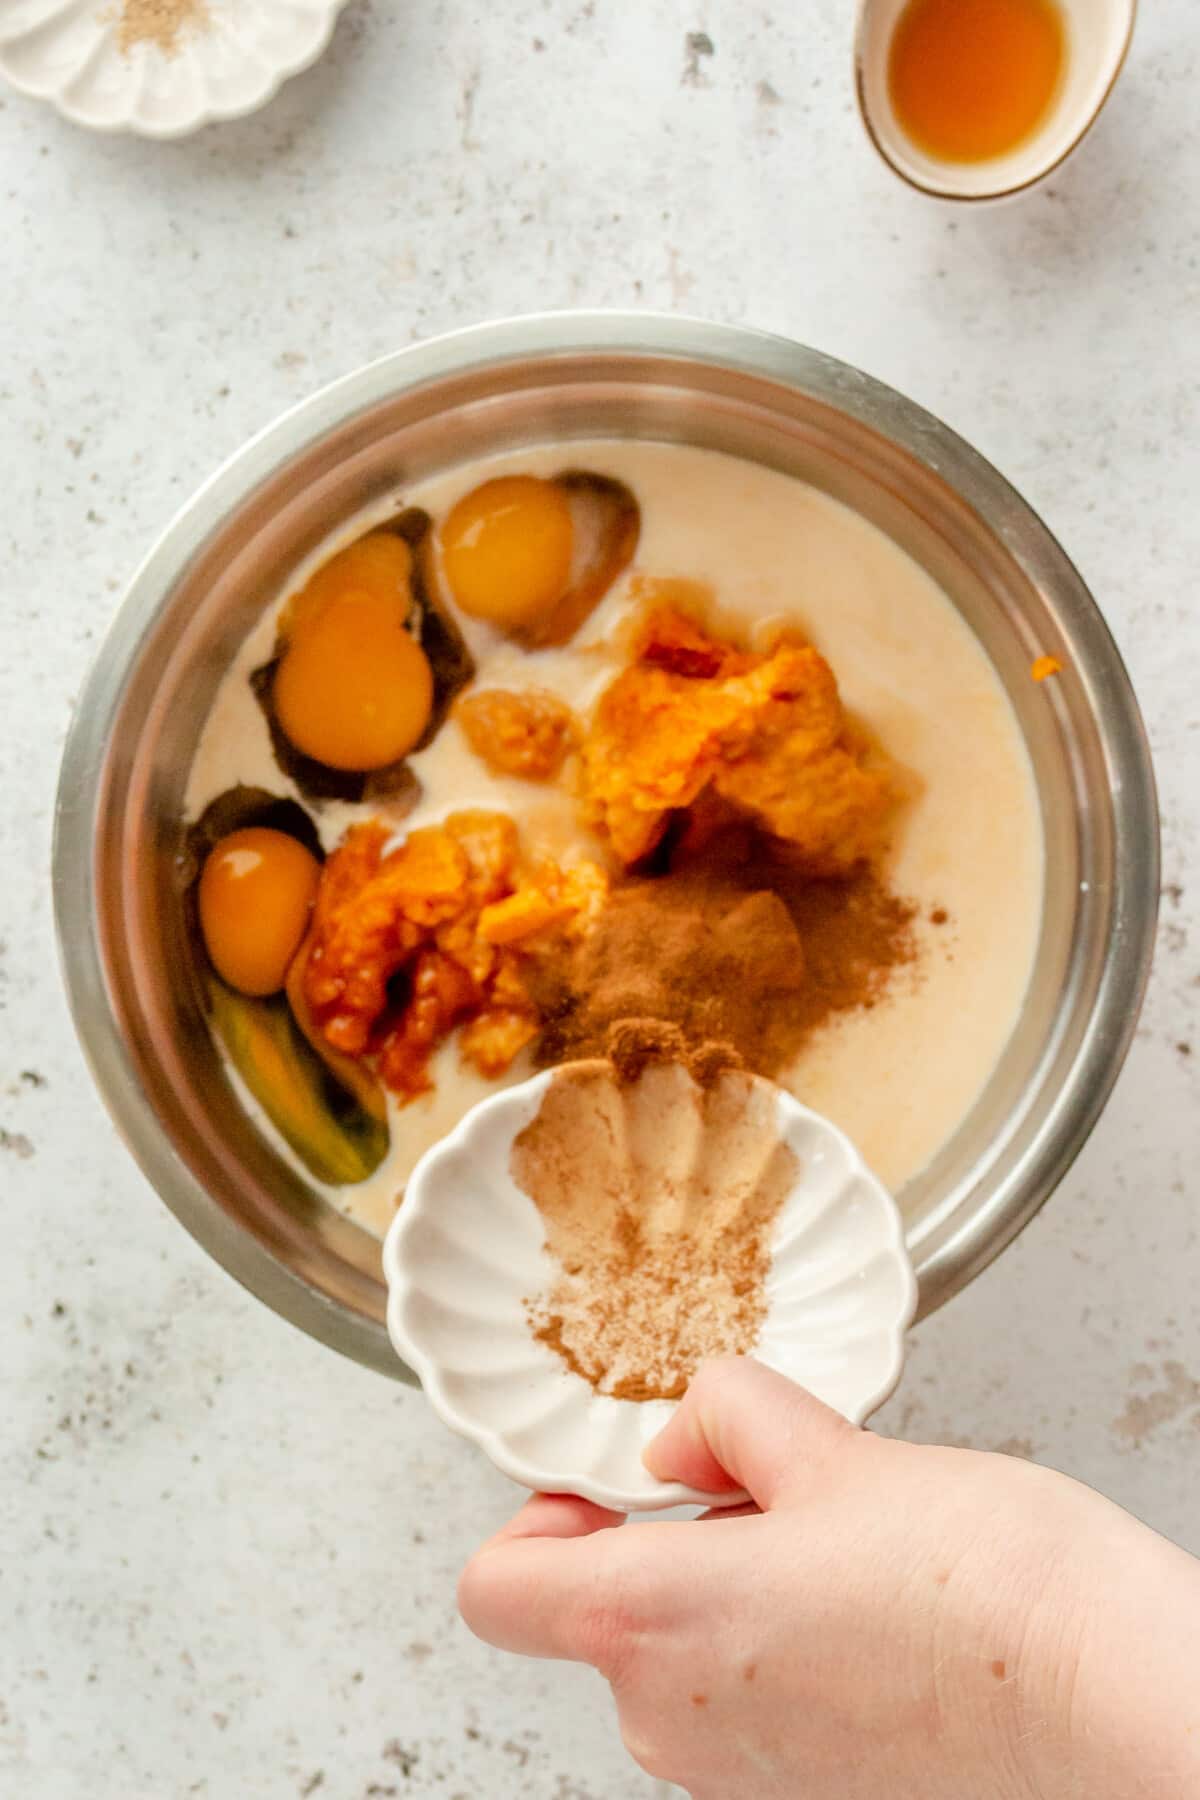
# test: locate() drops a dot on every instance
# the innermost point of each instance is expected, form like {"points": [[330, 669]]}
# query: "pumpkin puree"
{"points": [[454, 929]]}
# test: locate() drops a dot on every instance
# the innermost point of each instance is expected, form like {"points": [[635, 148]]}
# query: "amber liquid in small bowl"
{"points": [[973, 79]]}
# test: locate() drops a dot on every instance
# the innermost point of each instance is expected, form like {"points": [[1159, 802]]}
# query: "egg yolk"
{"points": [[379, 564], [506, 550], [256, 892], [353, 688]]}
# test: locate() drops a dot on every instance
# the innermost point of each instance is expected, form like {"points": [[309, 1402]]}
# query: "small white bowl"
{"points": [[467, 1250], [69, 53], [1098, 35]]}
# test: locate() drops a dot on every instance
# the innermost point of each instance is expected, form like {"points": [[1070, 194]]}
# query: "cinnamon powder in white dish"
{"points": [[659, 1196], [160, 22]]}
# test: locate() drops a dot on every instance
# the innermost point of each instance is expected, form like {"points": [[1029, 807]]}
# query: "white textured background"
{"points": [[227, 1557]]}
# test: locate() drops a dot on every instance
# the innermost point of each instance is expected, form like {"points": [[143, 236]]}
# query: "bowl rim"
{"points": [[1121, 985]]}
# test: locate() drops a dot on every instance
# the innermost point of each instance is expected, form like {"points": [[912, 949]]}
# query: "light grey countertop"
{"points": [[227, 1557]]}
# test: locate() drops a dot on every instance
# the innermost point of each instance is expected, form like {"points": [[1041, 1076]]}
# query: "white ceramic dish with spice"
{"points": [[159, 68], [466, 1258], [1097, 35]]}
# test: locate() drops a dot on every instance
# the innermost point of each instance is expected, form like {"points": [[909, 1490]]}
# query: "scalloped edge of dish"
{"points": [[188, 124]]}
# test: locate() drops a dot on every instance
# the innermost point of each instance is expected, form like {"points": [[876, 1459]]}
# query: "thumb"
{"points": [[527, 1588], [742, 1425]]}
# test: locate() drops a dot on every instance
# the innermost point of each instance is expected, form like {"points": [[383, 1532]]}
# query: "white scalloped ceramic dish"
{"points": [[68, 52], [467, 1249]]}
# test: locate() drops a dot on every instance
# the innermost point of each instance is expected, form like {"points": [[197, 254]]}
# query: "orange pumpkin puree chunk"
{"points": [[766, 734], [529, 734], [437, 933]]}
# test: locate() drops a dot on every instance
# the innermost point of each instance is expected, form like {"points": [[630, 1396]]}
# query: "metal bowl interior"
{"points": [[225, 556]]}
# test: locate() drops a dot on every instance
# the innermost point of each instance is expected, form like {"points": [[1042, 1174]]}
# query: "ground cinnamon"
{"points": [[658, 1196], [633, 1045], [732, 945], [159, 22]]}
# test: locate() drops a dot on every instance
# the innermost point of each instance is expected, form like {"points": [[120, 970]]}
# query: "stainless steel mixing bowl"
{"points": [[528, 380]]}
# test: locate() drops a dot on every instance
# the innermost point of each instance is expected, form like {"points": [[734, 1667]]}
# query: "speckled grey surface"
{"points": [[226, 1557]]}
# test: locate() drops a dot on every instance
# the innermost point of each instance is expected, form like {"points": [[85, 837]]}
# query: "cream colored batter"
{"points": [[897, 1079]]}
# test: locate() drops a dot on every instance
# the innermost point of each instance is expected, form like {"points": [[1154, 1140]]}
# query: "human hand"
{"points": [[888, 1620]]}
